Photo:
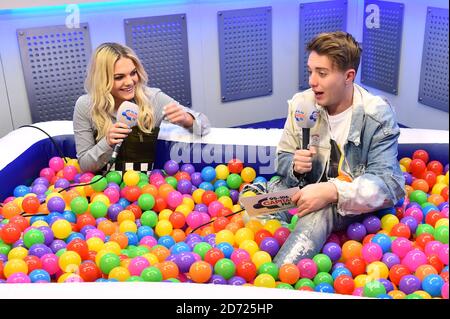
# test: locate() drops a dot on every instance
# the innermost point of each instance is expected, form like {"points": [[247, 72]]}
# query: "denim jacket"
{"points": [[370, 153]]}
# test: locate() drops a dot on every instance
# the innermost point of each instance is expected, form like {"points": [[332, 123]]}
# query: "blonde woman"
{"points": [[115, 75]]}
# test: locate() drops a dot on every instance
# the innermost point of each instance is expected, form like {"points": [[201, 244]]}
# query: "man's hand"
{"points": [[314, 197], [176, 115], [117, 133], [303, 160]]}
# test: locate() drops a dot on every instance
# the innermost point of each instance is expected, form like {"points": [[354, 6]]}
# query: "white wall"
{"points": [[106, 24]]}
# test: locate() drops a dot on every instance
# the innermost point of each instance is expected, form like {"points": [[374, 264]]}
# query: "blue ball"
{"points": [[260, 179], [433, 285], [39, 275], [74, 235], [69, 216], [208, 173], [219, 183], [21, 191], [226, 248], [180, 248], [324, 287], [385, 211], [123, 202], [145, 231], [132, 238], [340, 271], [166, 241], [384, 241], [207, 186], [384, 296]]}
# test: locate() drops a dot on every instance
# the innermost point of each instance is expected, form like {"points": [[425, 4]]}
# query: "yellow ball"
{"points": [[95, 244], [119, 273], [225, 236], [362, 280], [441, 222], [80, 190], [388, 221], [254, 225], [61, 229], [163, 228], [165, 214], [236, 208], [264, 280], [261, 257], [102, 198], [15, 265], [189, 202], [128, 225], [125, 263], [397, 294], [125, 215], [446, 178], [402, 168], [226, 201], [39, 223], [440, 179], [51, 195], [197, 195], [66, 276], [423, 294], [250, 246], [131, 178], [248, 194], [152, 259], [377, 270], [272, 225], [18, 201], [437, 188], [222, 172], [17, 253], [68, 259], [74, 163], [248, 174], [405, 161], [243, 234], [99, 256], [112, 247], [183, 209]]}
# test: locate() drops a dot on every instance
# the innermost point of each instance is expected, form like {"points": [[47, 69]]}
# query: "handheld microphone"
{"points": [[127, 114], [306, 115]]}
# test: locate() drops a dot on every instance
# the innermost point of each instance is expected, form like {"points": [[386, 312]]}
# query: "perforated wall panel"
{"points": [[162, 46], [433, 90], [315, 18], [245, 45], [54, 61], [380, 61]]}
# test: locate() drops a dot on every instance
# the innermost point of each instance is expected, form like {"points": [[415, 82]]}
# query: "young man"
{"points": [[350, 167]]}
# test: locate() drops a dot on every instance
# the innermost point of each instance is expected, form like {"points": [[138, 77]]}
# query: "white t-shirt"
{"points": [[340, 126]]}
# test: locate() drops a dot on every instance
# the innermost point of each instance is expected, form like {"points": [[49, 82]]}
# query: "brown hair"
{"points": [[343, 50]]}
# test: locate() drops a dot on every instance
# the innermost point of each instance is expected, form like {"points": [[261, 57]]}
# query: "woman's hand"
{"points": [[314, 197], [117, 133], [177, 115]]}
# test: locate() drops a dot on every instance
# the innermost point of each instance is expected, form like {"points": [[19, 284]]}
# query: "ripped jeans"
{"points": [[311, 231]]}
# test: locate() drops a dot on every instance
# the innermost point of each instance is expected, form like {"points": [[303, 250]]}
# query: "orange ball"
{"points": [[107, 227], [420, 184], [160, 252], [408, 190], [119, 238], [351, 248], [178, 235], [168, 269], [289, 273], [200, 271], [233, 227], [424, 270], [30, 204], [400, 230], [164, 190], [149, 189], [10, 209], [435, 199]]}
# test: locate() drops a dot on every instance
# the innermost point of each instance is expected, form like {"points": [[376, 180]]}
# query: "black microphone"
{"points": [[306, 115], [127, 114]]}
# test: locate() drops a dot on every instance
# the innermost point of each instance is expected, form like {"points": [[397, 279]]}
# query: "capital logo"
{"points": [[299, 115], [130, 115], [314, 115], [272, 202]]}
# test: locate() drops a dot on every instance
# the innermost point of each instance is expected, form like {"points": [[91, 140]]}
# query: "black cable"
{"points": [[61, 154], [213, 220]]}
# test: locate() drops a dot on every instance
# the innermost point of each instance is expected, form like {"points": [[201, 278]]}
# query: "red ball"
{"points": [[160, 204], [434, 261], [213, 255], [20, 221], [225, 212], [246, 269], [261, 234], [33, 263], [220, 223], [10, 233], [421, 154], [436, 167], [444, 193], [85, 219], [444, 275], [235, 166], [356, 265], [177, 219], [89, 271], [432, 217], [131, 193], [79, 246], [30, 204], [344, 284], [135, 209], [417, 167], [430, 178], [397, 272], [208, 197], [400, 230], [182, 175], [281, 234], [423, 239]]}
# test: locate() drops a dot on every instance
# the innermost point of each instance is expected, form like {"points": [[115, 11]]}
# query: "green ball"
{"points": [[323, 277], [424, 228], [225, 268], [222, 191], [33, 236], [143, 177], [426, 204], [132, 251], [441, 234], [269, 268], [134, 279], [323, 262], [98, 209], [146, 201], [149, 218], [142, 184], [304, 282], [413, 296], [418, 196], [373, 289], [114, 177], [283, 285], [99, 183], [202, 248], [60, 252], [234, 181], [172, 181], [4, 248], [79, 205], [173, 279], [275, 178], [108, 262], [152, 274], [142, 250]]}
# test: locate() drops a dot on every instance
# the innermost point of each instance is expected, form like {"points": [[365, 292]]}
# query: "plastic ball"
{"points": [[333, 251], [409, 284], [222, 171], [264, 280], [248, 174], [208, 173], [235, 166], [225, 268], [344, 284], [374, 289], [200, 271], [171, 167], [234, 181], [308, 268]]}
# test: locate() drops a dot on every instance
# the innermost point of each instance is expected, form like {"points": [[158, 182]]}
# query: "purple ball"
{"points": [[372, 224], [408, 178], [409, 284], [193, 236], [184, 260], [202, 208], [172, 258], [270, 245], [48, 234], [3, 258], [234, 195], [39, 250], [171, 167], [411, 222], [19, 243], [217, 280], [113, 211], [113, 186], [76, 178], [445, 169], [57, 244], [332, 250], [387, 284], [41, 180], [210, 239], [188, 168], [356, 231], [196, 178], [62, 183], [442, 205], [84, 230], [413, 204], [184, 186], [337, 265], [193, 188], [390, 259], [56, 204], [39, 188], [41, 197], [236, 281]]}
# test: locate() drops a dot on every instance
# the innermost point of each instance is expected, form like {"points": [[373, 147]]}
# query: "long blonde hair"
{"points": [[99, 83]]}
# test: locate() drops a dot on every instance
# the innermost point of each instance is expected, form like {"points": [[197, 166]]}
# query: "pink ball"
{"points": [[174, 199], [148, 240], [196, 256], [205, 218], [358, 292], [307, 268], [69, 172], [56, 163], [414, 259], [281, 234], [214, 207], [444, 290], [159, 182], [74, 279], [47, 173], [155, 178], [371, 252], [443, 254], [444, 212], [432, 247], [18, 278], [415, 212], [112, 194], [194, 219], [95, 233], [137, 265], [86, 177], [239, 255], [50, 263], [293, 211], [401, 246], [333, 238]]}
